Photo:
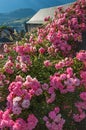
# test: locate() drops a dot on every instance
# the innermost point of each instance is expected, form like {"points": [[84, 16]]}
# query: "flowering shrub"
{"points": [[43, 82], [57, 121]]}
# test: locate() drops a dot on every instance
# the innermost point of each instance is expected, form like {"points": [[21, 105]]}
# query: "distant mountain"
{"points": [[16, 18], [21, 13]]}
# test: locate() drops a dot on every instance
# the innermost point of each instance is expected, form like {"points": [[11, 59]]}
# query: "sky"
{"points": [[11, 5]]}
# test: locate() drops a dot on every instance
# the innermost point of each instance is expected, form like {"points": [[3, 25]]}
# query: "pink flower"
{"points": [[45, 86], [70, 88], [1, 56], [6, 49], [9, 67], [52, 115], [23, 67], [83, 96], [32, 122], [79, 118], [38, 91], [63, 76], [57, 118], [41, 50], [16, 110], [13, 85], [74, 21], [47, 18], [28, 78], [25, 103], [1, 115], [54, 126], [19, 124], [69, 71], [56, 83], [48, 125], [24, 59], [69, 81], [19, 49], [19, 78], [77, 82], [9, 71], [81, 56], [18, 66], [54, 121], [5, 120], [51, 98], [57, 110], [6, 81], [51, 90], [4, 123], [47, 63], [83, 75], [59, 65], [35, 84], [45, 118], [17, 99]]}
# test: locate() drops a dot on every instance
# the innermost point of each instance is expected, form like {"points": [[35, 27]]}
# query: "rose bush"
{"points": [[43, 82]]}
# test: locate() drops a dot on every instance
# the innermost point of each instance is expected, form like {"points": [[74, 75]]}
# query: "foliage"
{"points": [[42, 82]]}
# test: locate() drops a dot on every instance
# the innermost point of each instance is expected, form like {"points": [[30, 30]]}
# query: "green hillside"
{"points": [[16, 18]]}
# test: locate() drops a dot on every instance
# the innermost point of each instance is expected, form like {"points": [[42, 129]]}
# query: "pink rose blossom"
{"points": [[25, 103], [32, 121], [38, 91], [52, 115], [83, 96], [41, 50], [47, 63], [45, 86], [16, 110]]}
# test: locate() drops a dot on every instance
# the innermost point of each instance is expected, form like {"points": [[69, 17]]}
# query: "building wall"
{"points": [[32, 26]]}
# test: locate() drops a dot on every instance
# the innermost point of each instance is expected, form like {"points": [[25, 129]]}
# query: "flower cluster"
{"points": [[5, 120], [43, 82], [66, 62], [66, 28], [23, 59], [82, 57], [3, 80], [21, 93], [66, 82], [19, 124], [54, 121], [83, 77], [9, 67], [81, 106]]}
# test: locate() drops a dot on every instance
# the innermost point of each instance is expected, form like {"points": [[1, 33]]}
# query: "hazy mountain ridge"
{"points": [[16, 17], [21, 13]]}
